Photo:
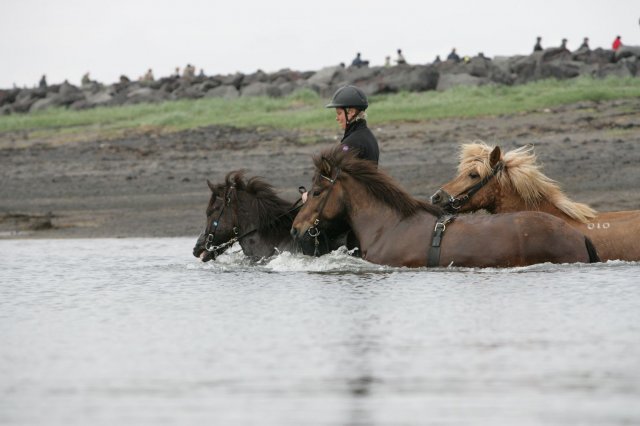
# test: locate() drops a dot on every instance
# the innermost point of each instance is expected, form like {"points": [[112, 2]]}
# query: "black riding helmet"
{"points": [[349, 97]]}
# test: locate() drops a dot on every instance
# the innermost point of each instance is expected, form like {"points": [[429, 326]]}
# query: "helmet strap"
{"points": [[346, 116]]}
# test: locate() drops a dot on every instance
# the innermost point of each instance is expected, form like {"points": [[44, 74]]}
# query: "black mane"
{"points": [[273, 213]]}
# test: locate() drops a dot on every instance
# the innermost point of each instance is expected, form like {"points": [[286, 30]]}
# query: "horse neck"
{"points": [[369, 218], [508, 201], [263, 243]]}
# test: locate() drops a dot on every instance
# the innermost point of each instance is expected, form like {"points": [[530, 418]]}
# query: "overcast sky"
{"points": [[66, 38]]}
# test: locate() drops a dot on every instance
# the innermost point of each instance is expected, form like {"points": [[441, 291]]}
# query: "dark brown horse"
{"points": [[511, 182], [396, 229], [251, 213]]}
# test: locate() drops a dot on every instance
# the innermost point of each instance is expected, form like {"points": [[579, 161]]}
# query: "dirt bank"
{"points": [[153, 185]]}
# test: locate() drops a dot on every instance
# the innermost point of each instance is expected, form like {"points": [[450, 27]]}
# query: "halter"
{"points": [[217, 250], [458, 201], [313, 231]]}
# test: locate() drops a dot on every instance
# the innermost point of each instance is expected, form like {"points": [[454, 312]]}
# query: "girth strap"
{"points": [[433, 258]]}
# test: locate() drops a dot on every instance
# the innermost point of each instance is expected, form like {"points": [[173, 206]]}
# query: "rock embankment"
{"points": [[551, 63]]}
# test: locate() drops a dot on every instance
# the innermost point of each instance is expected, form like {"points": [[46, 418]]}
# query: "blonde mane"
{"points": [[523, 175]]}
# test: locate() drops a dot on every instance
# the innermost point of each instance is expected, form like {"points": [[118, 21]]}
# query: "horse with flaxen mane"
{"points": [[512, 182], [396, 229], [250, 212]]}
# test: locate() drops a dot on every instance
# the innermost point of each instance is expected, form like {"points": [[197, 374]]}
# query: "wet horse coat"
{"points": [[513, 182], [250, 212], [396, 229]]}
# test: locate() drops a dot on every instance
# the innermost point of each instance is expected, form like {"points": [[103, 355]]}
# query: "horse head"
{"points": [[474, 187], [325, 202], [221, 228]]}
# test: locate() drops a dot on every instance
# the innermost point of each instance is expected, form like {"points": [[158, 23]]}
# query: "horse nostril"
{"points": [[294, 233]]}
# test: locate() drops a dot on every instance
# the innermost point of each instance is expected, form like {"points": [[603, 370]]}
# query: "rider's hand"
{"points": [[304, 197]]}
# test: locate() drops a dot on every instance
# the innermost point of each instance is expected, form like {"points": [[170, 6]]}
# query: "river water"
{"points": [[137, 331]]}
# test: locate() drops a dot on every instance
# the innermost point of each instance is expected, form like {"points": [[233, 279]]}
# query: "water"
{"points": [[137, 331]]}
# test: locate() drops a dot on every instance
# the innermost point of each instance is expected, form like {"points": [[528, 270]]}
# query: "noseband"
{"points": [[459, 200]]}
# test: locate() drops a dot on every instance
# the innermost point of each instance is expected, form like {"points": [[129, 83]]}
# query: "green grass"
{"points": [[305, 109]]}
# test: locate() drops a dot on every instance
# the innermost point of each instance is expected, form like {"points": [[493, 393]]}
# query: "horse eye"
{"points": [[474, 175], [317, 192]]}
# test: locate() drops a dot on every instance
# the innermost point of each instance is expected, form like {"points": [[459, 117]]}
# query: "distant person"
{"points": [[176, 73], [585, 45], [189, 71], [124, 79], [43, 82], [201, 73], [387, 61], [400, 58], [359, 62], [538, 46], [148, 75], [563, 45], [617, 43], [86, 80], [453, 56], [437, 60]]}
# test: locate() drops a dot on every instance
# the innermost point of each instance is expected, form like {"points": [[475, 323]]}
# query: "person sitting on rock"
{"points": [[585, 45], [400, 58], [359, 62], [617, 43], [148, 75], [43, 82], [453, 56], [538, 46], [563, 45], [387, 61], [437, 60], [86, 80]]}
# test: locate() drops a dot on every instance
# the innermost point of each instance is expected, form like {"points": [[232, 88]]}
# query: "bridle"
{"points": [[216, 250], [454, 203], [313, 231]]}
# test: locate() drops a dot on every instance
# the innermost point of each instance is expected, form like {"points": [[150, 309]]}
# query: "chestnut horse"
{"points": [[396, 229], [511, 182], [251, 213]]}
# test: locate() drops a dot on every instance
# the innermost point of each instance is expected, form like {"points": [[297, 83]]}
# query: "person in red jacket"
{"points": [[617, 43]]}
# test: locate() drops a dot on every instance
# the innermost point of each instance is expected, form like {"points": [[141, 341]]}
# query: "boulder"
{"points": [[447, 81], [261, 89], [42, 104], [225, 92], [624, 68], [231, 80], [626, 52], [325, 76], [145, 95], [560, 69], [412, 78]]}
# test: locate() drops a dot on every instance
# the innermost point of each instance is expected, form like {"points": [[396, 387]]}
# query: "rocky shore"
{"points": [[551, 63], [154, 185]]}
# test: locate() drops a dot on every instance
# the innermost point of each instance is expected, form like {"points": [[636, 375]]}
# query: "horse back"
{"points": [[511, 239]]}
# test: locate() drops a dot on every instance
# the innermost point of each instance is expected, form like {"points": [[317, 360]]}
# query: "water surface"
{"points": [[137, 331]]}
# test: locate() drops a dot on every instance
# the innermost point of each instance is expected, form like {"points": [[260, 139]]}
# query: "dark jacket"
{"points": [[358, 136]]}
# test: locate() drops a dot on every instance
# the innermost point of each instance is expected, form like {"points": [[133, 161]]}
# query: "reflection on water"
{"points": [[137, 331]]}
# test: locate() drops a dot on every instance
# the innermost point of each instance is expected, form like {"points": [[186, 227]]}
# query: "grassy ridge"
{"points": [[304, 110]]}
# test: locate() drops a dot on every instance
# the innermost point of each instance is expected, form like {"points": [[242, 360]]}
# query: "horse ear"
{"points": [[494, 157], [211, 186]]}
